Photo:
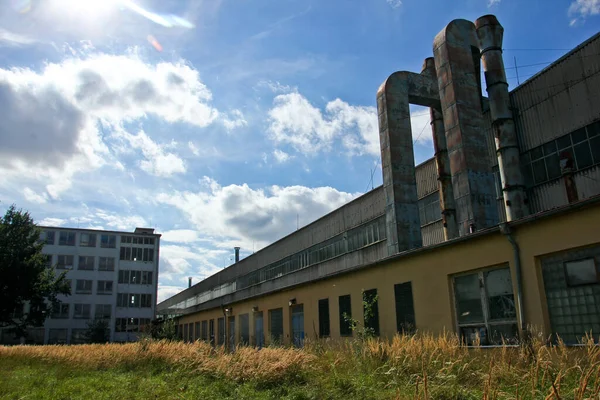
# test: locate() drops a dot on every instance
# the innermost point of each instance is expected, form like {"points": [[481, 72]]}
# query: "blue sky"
{"points": [[261, 113]]}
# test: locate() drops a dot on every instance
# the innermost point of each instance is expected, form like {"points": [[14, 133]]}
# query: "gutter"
{"points": [[505, 229]]}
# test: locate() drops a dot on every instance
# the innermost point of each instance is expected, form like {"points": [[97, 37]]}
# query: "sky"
{"points": [[223, 123]]}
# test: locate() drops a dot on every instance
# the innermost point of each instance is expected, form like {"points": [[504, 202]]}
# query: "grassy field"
{"points": [[408, 367]]}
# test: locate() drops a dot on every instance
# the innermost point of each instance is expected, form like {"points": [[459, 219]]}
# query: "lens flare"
{"points": [[21, 6], [154, 43]]}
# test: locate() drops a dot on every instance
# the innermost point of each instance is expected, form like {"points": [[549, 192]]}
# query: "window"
{"points": [[82, 311], [57, 336], [276, 325], [146, 277], [86, 263], [87, 240], [104, 287], [134, 300], [103, 311], [123, 276], [429, 208], [48, 258], [66, 238], [220, 331], [69, 283], [125, 239], [371, 311], [83, 286], [405, 312], [135, 277], [211, 332], [186, 332], [133, 325], [122, 300], [60, 310], [485, 306], [204, 335], [146, 300], [136, 254], [324, 330], [120, 324], [345, 315], [64, 262], [106, 264], [50, 236], [108, 241], [244, 329], [197, 330], [581, 272]]}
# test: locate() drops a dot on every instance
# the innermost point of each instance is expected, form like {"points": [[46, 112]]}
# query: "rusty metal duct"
{"points": [[237, 254], [442, 162], [490, 34]]}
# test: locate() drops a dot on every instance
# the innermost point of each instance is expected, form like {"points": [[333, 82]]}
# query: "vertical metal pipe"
{"points": [[490, 34], [237, 254], [505, 229], [442, 161]]}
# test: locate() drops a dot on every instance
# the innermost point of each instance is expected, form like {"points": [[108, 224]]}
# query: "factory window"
{"points": [[197, 331], [103, 311], [86, 263], [542, 163], [405, 312], [66, 238], [106, 264], [78, 336], [60, 310], [146, 300], [136, 254], [64, 262], [345, 307], [324, 329], [371, 311], [135, 277], [276, 325], [104, 287], [108, 241], [204, 335], [429, 208], [244, 329], [186, 328], [49, 239], [57, 336], [87, 240], [581, 272], [211, 332], [83, 286], [82, 311], [122, 299], [485, 306], [220, 331], [133, 300]]}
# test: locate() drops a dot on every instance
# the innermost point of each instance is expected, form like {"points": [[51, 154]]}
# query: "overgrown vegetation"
{"points": [[408, 367]]}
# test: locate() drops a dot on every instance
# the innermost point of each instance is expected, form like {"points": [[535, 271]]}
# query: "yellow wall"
{"points": [[430, 273]]}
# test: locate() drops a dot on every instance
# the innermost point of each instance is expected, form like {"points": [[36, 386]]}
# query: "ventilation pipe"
{"points": [[490, 34], [237, 254], [190, 282], [442, 161]]}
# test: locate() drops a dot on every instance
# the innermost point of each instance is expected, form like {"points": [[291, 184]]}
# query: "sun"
{"points": [[86, 9]]}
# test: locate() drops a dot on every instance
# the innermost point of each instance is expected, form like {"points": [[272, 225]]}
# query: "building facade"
{"points": [[494, 236], [113, 277]]}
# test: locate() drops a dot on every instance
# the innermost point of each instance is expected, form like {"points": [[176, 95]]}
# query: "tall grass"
{"points": [[420, 366]]}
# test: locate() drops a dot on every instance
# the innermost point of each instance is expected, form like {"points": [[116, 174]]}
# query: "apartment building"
{"points": [[496, 235], [113, 277]]}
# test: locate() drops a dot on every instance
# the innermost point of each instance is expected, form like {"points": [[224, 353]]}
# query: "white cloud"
{"points": [[8, 38], [583, 9], [492, 3], [394, 3], [194, 149], [157, 161], [180, 236], [247, 215], [235, 121], [166, 291], [281, 156], [275, 86], [294, 120], [113, 220], [52, 222], [34, 197]]}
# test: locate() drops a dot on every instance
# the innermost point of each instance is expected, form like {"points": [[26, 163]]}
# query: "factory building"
{"points": [[113, 277], [496, 235]]}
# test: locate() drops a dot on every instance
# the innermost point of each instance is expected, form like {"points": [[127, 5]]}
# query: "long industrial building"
{"points": [[495, 236], [113, 277]]}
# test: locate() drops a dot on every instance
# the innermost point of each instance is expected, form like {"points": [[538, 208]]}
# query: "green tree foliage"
{"points": [[97, 331], [162, 329], [24, 276]]}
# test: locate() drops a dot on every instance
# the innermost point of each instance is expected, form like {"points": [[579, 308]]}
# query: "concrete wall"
{"points": [[430, 271]]}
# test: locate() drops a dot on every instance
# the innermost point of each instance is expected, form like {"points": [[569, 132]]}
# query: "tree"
{"points": [[97, 331], [25, 277]]}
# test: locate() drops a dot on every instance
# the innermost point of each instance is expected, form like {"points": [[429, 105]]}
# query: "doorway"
{"points": [[259, 333], [298, 325]]}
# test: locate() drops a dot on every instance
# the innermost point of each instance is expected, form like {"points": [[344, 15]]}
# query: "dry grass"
{"points": [[420, 366]]}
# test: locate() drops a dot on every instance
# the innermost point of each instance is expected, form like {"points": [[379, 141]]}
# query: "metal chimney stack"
{"points": [[190, 282], [237, 254]]}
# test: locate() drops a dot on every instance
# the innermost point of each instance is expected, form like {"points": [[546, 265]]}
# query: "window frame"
{"points": [[565, 269], [69, 240], [84, 290]]}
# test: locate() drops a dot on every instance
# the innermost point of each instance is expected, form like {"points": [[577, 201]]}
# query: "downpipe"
{"points": [[505, 229]]}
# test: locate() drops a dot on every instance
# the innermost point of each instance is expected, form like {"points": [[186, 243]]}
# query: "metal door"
{"points": [[298, 325], [259, 330]]}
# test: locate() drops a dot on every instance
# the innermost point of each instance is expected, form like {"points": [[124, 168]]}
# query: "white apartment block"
{"points": [[113, 276]]}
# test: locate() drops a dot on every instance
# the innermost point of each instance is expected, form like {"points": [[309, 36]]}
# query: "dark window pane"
{"points": [[468, 299], [500, 294], [583, 155], [539, 171], [563, 142], [594, 129], [553, 166], [324, 318], [581, 272], [405, 312], [567, 154], [276, 324], [579, 135], [549, 148], [244, 329], [345, 314], [527, 175], [500, 334], [536, 153], [595, 145], [371, 311]]}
